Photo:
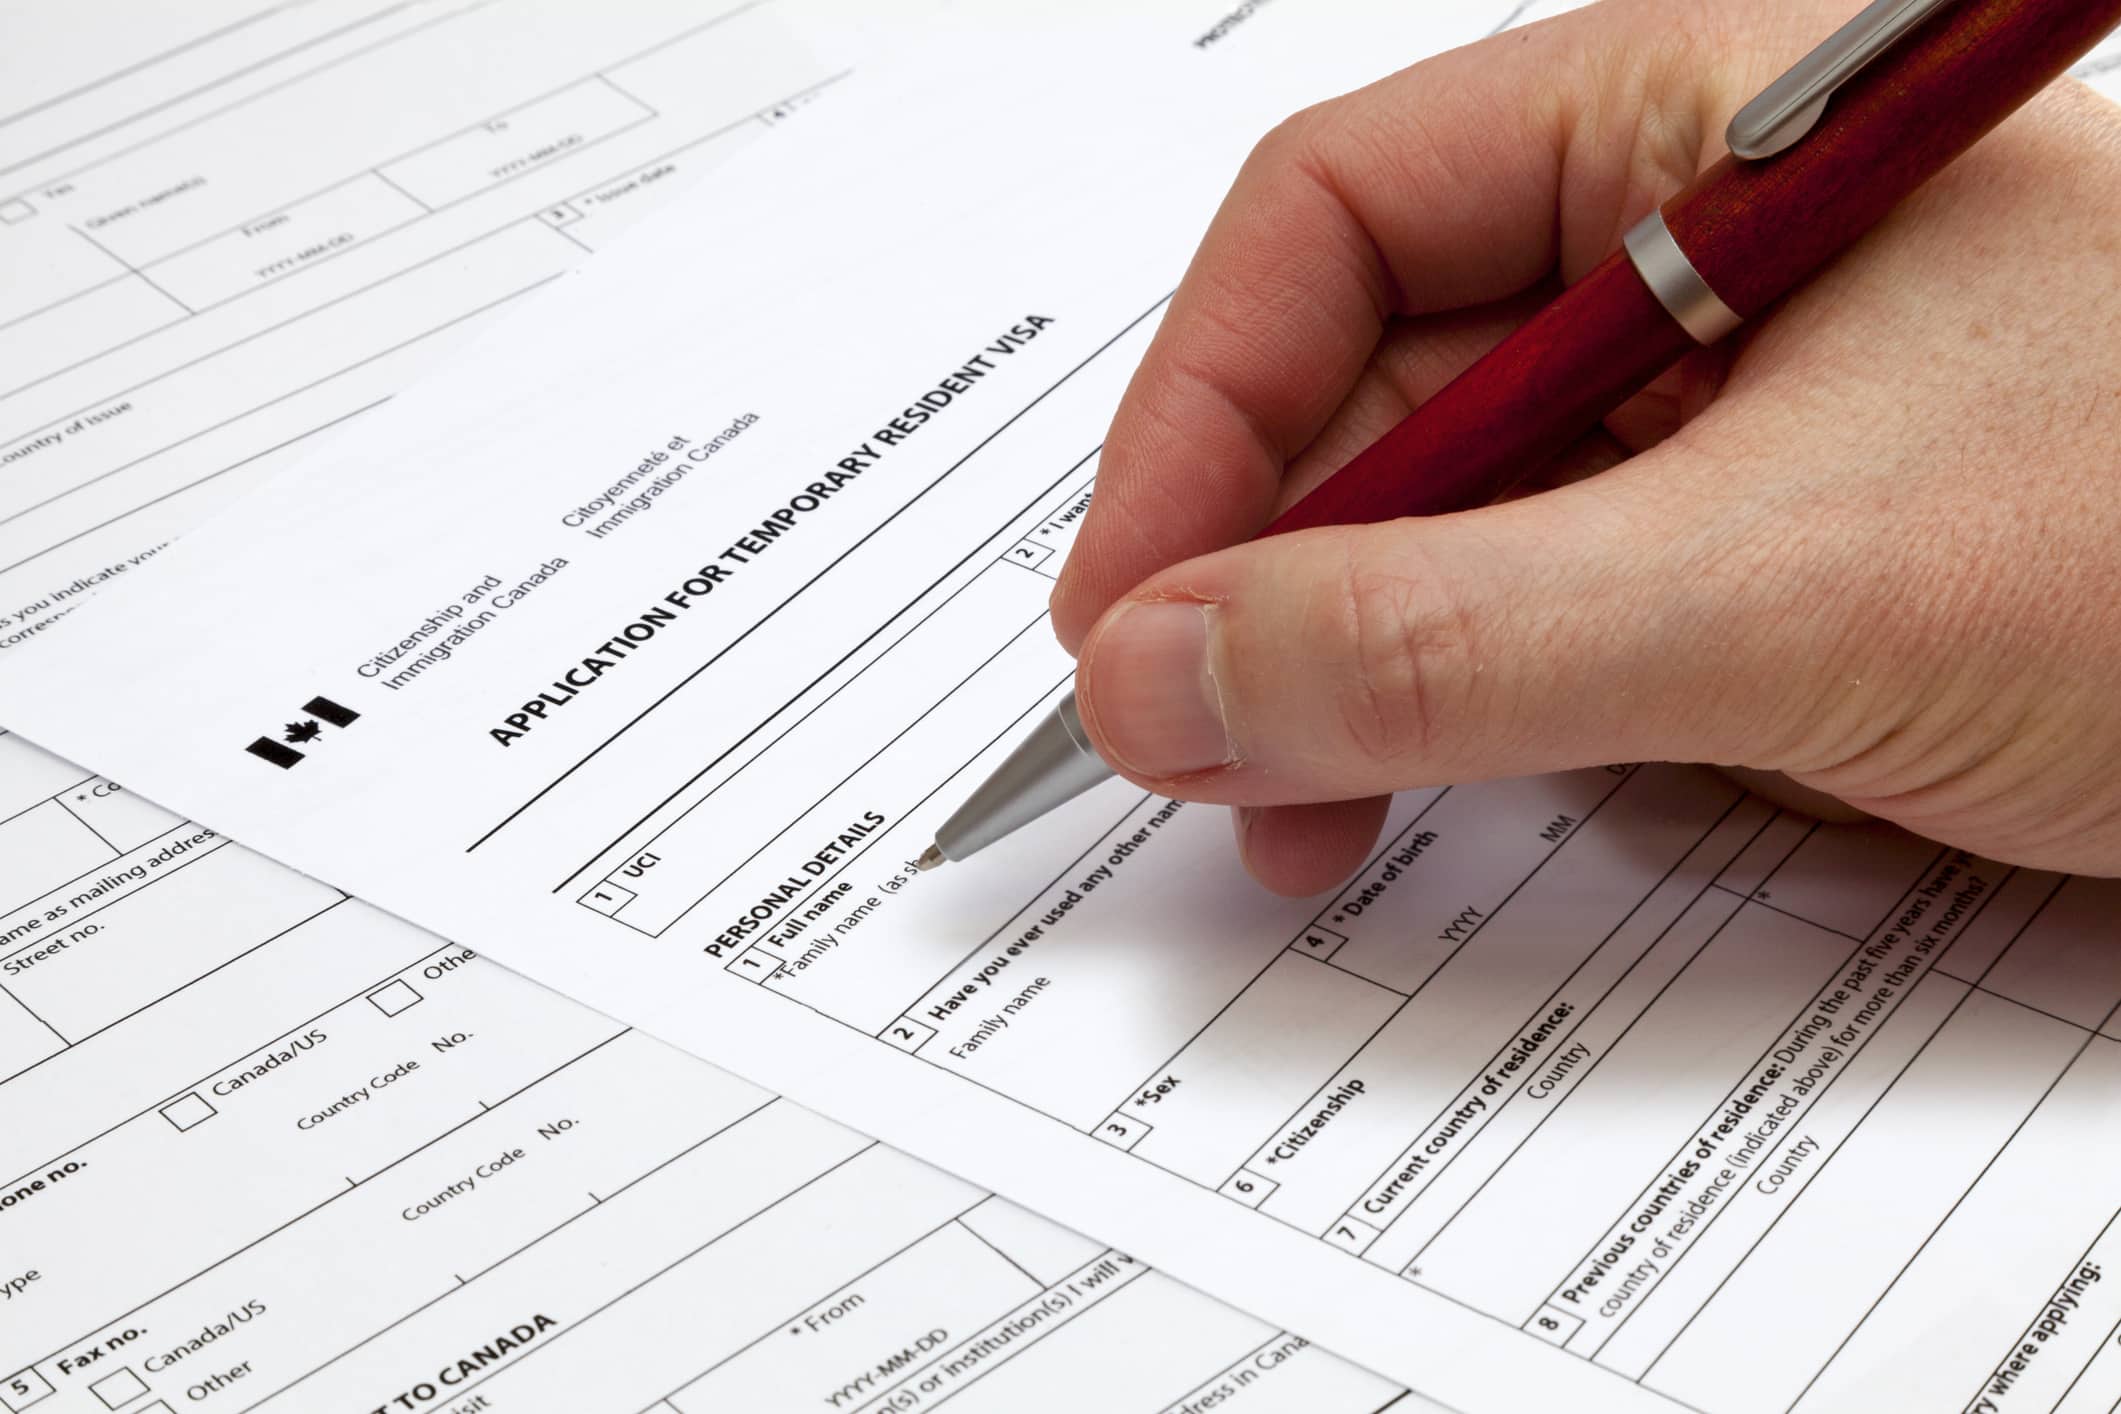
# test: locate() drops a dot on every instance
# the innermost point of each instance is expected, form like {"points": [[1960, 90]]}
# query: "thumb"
{"points": [[1613, 620]]}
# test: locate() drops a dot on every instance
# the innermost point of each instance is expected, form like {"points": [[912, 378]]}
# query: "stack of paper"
{"points": [[640, 645]]}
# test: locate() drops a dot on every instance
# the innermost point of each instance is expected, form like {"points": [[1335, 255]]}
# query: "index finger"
{"points": [[1439, 187]]}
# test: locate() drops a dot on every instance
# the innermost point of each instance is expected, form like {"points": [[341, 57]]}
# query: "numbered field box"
{"points": [[1554, 1325], [394, 997], [565, 214], [119, 1388], [907, 1034], [1352, 1235], [188, 1110], [1320, 943], [1248, 1188], [753, 965], [1028, 553], [607, 898], [22, 1389], [787, 108], [1122, 1131]]}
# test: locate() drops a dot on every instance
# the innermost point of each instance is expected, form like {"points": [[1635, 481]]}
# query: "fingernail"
{"points": [[1156, 701]]}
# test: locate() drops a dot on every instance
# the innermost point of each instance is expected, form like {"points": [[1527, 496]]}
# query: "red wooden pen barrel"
{"points": [[1752, 230], [1757, 230], [1510, 413]]}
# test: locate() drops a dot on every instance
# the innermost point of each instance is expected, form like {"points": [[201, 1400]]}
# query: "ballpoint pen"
{"points": [[1816, 159]]}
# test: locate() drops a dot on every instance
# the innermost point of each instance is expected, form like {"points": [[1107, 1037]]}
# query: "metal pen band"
{"points": [[1664, 267]]}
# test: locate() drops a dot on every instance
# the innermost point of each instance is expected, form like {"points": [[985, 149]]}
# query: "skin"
{"points": [[1868, 554]]}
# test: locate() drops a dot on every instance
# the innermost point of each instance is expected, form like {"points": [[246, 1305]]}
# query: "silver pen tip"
{"points": [[931, 858]]}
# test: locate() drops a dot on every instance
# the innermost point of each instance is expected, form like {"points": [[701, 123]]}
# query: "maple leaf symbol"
{"points": [[299, 732]]}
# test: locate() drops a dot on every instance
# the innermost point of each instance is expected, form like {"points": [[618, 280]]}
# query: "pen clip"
{"points": [[1788, 108]]}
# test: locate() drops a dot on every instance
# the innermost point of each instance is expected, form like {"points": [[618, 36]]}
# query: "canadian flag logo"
{"points": [[304, 731]]}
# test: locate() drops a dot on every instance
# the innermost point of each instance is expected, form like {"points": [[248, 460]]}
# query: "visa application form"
{"points": [[230, 228], [265, 1147], [1616, 1087]]}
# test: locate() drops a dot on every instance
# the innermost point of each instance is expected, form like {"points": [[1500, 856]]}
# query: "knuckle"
{"points": [[1287, 141], [1410, 638], [1299, 151]]}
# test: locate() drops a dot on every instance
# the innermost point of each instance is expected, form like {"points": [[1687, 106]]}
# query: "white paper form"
{"points": [[264, 1147], [1614, 1087], [259, 220], [2102, 68]]}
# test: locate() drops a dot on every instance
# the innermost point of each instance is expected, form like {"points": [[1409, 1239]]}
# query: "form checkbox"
{"points": [[188, 1110], [14, 211], [119, 1388], [394, 998]]}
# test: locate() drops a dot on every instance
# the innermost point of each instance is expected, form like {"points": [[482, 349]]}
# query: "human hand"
{"points": [[1873, 545]]}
